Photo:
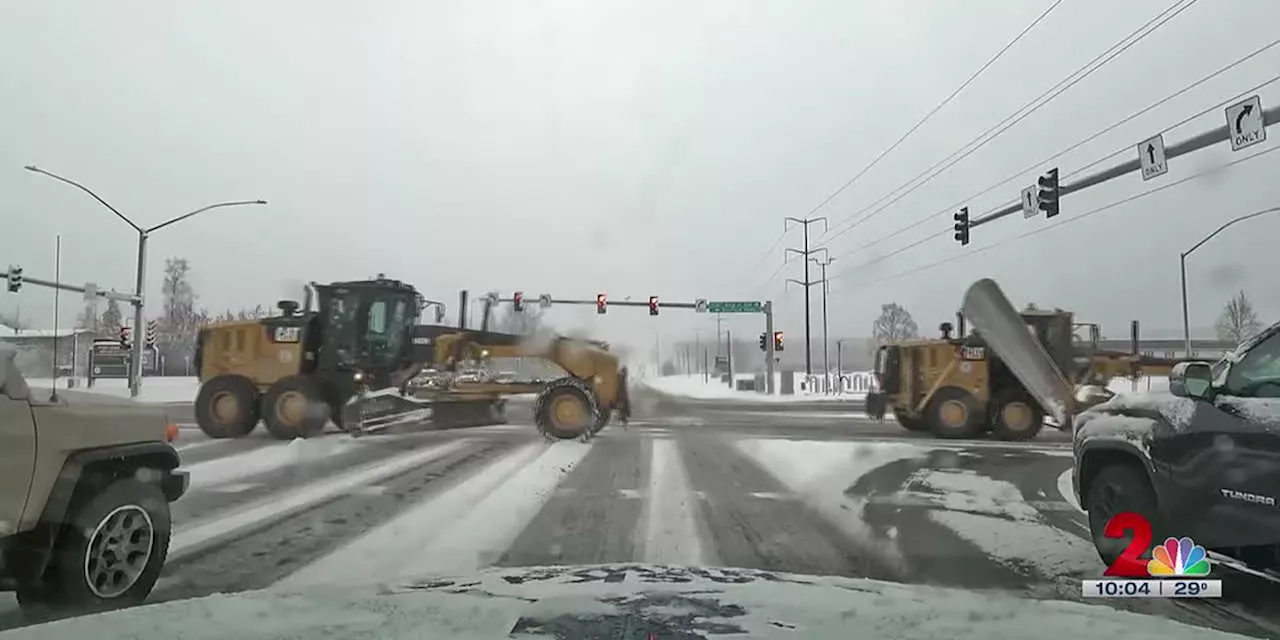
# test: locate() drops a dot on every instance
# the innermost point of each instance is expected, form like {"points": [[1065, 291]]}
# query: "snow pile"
{"points": [[154, 390], [711, 388]]}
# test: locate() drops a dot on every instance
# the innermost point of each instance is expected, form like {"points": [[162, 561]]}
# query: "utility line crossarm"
{"points": [[804, 254]]}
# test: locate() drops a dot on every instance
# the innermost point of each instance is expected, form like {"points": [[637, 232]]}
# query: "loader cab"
{"points": [[366, 324]]}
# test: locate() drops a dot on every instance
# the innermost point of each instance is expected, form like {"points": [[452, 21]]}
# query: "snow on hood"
{"points": [[1176, 410], [623, 600]]}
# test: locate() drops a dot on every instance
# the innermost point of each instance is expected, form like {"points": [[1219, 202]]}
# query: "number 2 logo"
{"points": [[1130, 563]]}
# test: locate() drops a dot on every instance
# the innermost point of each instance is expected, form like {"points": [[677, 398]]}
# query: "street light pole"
{"points": [[1182, 259], [135, 367], [826, 349]]}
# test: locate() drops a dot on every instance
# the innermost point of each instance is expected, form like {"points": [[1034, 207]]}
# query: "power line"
{"points": [[1082, 216], [848, 183], [1095, 136], [807, 284], [1019, 115]]}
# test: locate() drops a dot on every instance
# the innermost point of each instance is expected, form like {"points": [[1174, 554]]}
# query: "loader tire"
{"points": [[294, 408], [1016, 416], [227, 407], [600, 424], [566, 409], [954, 413]]}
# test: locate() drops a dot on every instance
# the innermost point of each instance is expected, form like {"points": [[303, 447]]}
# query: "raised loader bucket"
{"points": [[1004, 331]]}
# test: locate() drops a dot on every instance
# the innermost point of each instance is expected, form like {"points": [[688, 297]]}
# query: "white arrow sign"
{"points": [[544, 301], [700, 305], [1030, 202], [1244, 123], [1151, 157]]}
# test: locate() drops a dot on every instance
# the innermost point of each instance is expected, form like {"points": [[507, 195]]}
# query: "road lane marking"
{"points": [[219, 526], [671, 525]]}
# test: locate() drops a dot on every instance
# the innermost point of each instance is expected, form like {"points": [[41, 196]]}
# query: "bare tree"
{"points": [[112, 319], [1238, 321], [894, 324], [522, 323]]}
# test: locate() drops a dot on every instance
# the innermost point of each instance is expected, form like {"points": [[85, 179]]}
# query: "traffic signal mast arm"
{"points": [[1190, 145], [109, 295]]}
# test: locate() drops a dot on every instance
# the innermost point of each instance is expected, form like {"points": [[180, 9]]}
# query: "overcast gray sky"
{"points": [[636, 148]]}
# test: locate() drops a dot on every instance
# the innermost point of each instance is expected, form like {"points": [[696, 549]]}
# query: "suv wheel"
{"points": [[1115, 489], [110, 552]]}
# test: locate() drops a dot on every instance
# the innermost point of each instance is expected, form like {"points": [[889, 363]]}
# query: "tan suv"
{"points": [[84, 499]]}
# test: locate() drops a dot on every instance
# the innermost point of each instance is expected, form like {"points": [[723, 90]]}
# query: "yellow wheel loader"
{"points": [[353, 360], [963, 387]]}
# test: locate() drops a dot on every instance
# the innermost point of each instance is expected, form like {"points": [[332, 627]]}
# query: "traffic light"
{"points": [[777, 341], [517, 301], [764, 341], [124, 337], [1048, 192], [601, 302], [962, 226], [15, 278], [653, 305]]}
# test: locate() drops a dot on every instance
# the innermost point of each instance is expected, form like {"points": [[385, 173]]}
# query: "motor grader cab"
{"points": [[296, 371]]}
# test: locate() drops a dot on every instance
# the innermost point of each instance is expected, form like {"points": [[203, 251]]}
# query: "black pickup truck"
{"points": [[1200, 460]]}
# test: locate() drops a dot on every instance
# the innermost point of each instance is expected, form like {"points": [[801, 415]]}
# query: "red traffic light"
{"points": [[653, 305], [517, 301], [601, 301], [777, 341]]}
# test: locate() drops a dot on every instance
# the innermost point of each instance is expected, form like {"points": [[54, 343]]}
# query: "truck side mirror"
{"points": [[1191, 380]]}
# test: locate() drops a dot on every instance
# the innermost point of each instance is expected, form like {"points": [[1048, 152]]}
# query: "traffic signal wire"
{"points": [[1033, 232], [1013, 119], [1127, 148], [945, 101]]}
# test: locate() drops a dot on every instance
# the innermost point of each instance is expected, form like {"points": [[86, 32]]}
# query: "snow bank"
{"points": [[693, 386], [154, 390], [1149, 383]]}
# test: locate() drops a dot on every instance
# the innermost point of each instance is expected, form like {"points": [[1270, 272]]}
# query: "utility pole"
{"points": [[804, 255], [826, 350], [839, 365]]}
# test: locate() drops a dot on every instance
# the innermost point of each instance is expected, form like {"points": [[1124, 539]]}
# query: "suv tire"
{"points": [[109, 554]]}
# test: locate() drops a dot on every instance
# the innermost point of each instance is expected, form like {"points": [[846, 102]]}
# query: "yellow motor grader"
{"points": [[356, 359], [962, 386]]}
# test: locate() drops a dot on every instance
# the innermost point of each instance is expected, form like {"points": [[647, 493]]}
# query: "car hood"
{"points": [[621, 601]]}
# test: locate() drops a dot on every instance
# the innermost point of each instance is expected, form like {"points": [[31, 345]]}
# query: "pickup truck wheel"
{"points": [[1115, 489], [293, 408], [1016, 416], [227, 407], [954, 413], [110, 553]]}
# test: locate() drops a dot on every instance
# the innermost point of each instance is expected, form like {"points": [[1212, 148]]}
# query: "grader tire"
{"points": [[227, 407], [293, 408], [566, 409]]}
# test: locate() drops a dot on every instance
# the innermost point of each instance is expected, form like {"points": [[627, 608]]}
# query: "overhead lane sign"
{"points": [[1151, 157], [1244, 123]]}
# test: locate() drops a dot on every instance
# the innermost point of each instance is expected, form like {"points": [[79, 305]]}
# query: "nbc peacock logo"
{"points": [[1178, 557]]}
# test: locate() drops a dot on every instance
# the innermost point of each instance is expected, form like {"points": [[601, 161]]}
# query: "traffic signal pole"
{"points": [[546, 301]]}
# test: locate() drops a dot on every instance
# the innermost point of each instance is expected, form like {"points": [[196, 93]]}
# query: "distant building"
{"points": [[35, 350]]}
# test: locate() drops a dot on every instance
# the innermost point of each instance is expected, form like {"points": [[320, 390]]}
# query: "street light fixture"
{"points": [[135, 371], [1186, 316]]}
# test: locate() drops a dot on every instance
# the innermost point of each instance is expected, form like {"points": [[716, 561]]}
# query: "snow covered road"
{"points": [[855, 501]]}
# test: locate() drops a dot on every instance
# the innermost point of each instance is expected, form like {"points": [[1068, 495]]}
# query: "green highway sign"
{"points": [[735, 307]]}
